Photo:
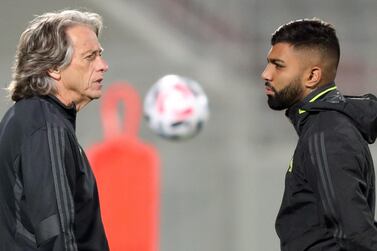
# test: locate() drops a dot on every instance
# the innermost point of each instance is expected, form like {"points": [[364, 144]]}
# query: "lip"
{"points": [[269, 91], [98, 83]]}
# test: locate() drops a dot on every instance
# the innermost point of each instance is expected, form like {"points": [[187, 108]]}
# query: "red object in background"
{"points": [[126, 171]]}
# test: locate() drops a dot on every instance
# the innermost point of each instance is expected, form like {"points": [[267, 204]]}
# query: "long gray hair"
{"points": [[44, 46]]}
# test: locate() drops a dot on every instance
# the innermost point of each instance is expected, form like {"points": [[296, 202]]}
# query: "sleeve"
{"points": [[46, 207], [342, 177]]}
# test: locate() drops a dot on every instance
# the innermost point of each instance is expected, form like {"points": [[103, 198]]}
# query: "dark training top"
{"points": [[48, 194], [329, 198]]}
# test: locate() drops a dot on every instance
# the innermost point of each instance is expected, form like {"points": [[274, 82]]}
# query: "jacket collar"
{"points": [[298, 113], [69, 112]]}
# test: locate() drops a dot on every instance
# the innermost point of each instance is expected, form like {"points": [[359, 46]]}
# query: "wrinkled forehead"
{"points": [[82, 37]]}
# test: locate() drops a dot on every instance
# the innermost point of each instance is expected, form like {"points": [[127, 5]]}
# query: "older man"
{"points": [[48, 194]]}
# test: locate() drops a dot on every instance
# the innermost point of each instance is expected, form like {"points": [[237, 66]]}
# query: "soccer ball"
{"points": [[176, 107]]}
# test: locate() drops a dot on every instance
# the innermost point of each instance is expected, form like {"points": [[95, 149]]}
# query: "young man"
{"points": [[48, 194], [329, 197]]}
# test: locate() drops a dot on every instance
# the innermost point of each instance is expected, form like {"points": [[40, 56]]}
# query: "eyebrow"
{"points": [[275, 60], [90, 51]]}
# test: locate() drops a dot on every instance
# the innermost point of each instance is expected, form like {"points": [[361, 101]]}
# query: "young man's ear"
{"points": [[54, 73], [314, 77]]}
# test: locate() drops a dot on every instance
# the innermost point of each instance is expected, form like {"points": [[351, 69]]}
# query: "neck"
{"points": [[68, 101]]}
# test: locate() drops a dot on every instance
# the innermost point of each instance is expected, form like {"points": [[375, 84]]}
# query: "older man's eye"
{"points": [[91, 56]]}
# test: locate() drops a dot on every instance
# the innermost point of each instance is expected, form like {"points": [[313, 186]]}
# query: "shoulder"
{"points": [[28, 115], [333, 124], [335, 130], [35, 113], [22, 122]]}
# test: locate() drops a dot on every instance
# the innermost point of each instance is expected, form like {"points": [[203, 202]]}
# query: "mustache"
{"points": [[269, 85]]}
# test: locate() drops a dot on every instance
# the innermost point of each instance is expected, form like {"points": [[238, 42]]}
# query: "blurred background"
{"points": [[221, 190]]}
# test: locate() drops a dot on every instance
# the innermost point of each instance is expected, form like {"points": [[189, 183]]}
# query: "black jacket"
{"points": [[329, 198], [48, 194]]}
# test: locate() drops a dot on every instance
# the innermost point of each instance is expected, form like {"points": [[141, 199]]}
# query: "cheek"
{"points": [[74, 71], [88, 72], [281, 81], [285, 80], [84, 74]]}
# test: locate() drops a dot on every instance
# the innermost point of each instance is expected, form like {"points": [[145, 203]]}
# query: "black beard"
{"points": [[286, 97]]}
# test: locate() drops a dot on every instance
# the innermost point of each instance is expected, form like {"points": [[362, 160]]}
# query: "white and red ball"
{"points": [[176, 107]]}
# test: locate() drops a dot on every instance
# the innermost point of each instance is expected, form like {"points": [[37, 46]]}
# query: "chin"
{"points": [[96, 95]]}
